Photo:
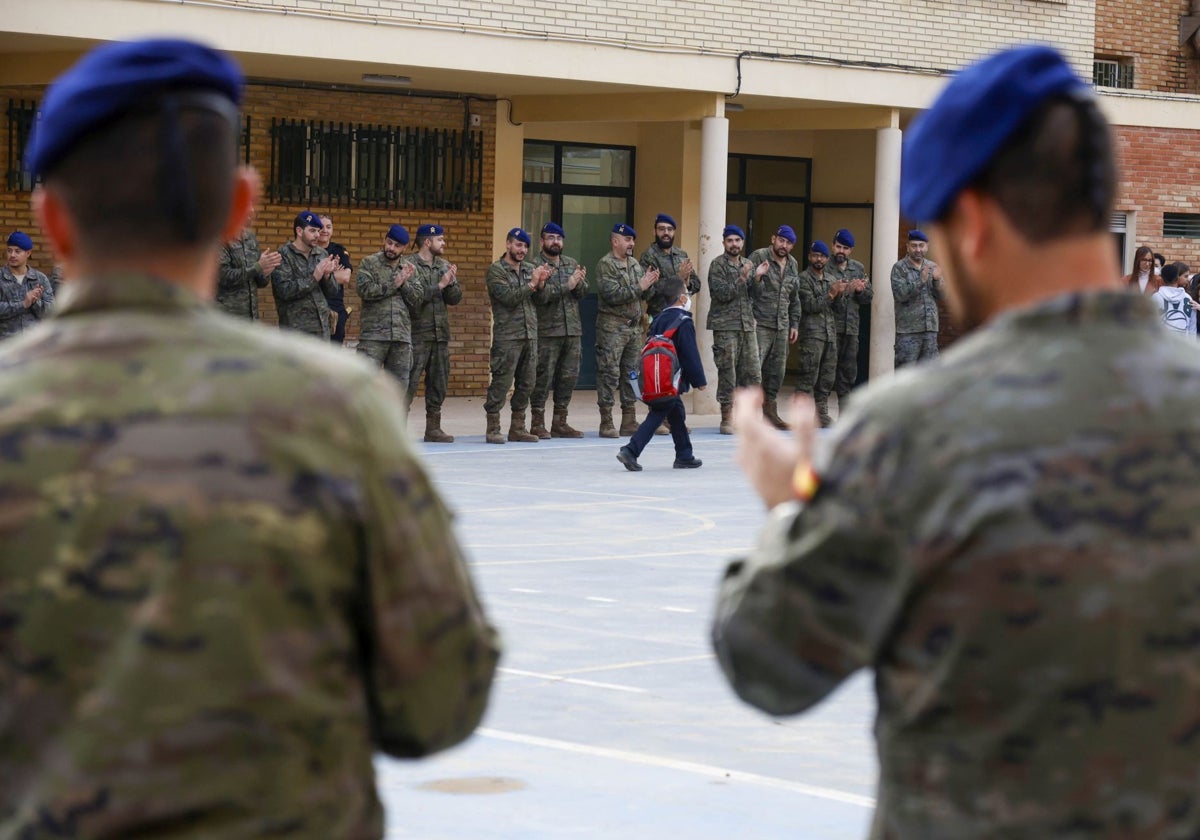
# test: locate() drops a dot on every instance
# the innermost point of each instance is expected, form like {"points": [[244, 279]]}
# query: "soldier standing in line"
{"points": [[733, 287], [559, 333], [857, 292], [917, 288], [670, 262], [435, 286], [511, 285], [242, 269], [622, 286], [26, 295], [818, 335], [225, 578], [776, 313], [1004, 534], [304, 279], [385, 335]]}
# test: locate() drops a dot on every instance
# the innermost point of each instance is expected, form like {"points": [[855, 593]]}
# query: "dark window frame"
{"points": [[21, 117], [736, 192], [1181, 225], [557, 190]]}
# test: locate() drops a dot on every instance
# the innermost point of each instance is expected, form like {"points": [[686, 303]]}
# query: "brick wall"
{"points": [[1147, 32], [361, 231], [1159, 172]]}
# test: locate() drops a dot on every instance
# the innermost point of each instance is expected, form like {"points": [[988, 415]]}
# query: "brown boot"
{"points": [[726, 420], [664, 428], [629, 422], [772, 414], [823, 412], [433, 428], [493, 434], [539, 424], [517, 431], [607, 430], [559, 427]]}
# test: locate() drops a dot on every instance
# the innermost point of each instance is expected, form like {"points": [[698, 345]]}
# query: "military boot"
{"points": [[607, 430], [493, 434], [517, 431], [772, 414], [433, 428], [823, 412], [664, 428], [559, 427], [726, 420], [629, 422], [539, 424]]}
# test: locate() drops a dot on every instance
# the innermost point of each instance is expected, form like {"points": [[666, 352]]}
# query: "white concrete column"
{"points": [[714, 171], [886, 230]]}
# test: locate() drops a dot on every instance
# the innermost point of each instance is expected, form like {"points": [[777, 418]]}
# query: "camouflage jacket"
{"points": [[778, 307], [385, 308], [816, 320], [617, 285], [557, 305], [667, 263], [732, 305], [846, 313], [239, 278], [916, 300], [430, 318], [299, 299], [225, 579], [1005, 535], [14, 317], [513, 313]]}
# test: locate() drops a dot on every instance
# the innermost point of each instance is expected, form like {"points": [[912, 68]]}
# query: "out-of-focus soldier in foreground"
{"points": [[1006, 534], [225, 580]]}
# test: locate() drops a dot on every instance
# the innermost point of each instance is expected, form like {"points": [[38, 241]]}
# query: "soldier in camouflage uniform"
{"points": [[670, 262], [385, 334], [622, 285], [1005, 535], [559, 332], [856, 293], [26, 296], [435, 287], [818, 333], [733, 287], [511, 285], [242, 269], [777, 313], [916, 287], [304, 279], [225, 579]]}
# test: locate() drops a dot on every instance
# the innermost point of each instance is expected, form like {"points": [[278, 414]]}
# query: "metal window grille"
{"points": [[376, 166], [1117, 74], [21, 116], [1181, 225]]}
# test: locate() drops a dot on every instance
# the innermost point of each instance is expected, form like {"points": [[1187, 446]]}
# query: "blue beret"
{"points": [[786, 232], [398, 233], [732, 230], [554, 229], [844, 237], [308, 219], [663, 218], [819, 247], [116, 78], [624, 230], [431, 230], [918, 236], [21, 240], [520, 235], [980, 109]]}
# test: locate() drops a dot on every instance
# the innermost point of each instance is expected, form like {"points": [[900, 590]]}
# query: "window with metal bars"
{"points": [[342, 164], [1181, 225], [1112, 73], [21, 114]]}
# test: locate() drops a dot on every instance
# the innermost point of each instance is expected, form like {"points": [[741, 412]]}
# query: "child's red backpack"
{"points": [[658, 374]]}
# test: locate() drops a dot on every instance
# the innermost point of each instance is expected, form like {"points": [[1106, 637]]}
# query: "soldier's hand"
{"points": [[341, 276], [649, 279], [860, 285], [937, 271], [762, 270], [541, 274], [268, 261], [448, 277], [577, 277], [403, 274], [685, 270], [770, 460], [793, 334], [32, 296], [744, 274]]}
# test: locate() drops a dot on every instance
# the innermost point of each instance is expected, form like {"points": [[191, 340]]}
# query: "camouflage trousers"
{"points": [[393, 356], [736, 355], [847, 364], [513, 360], [618, 348], [557, 370], [817, 366], [431, 358], [913, 347], [772, 358]]}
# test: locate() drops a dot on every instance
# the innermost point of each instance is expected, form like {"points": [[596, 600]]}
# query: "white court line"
{"points": [[707, 770], [600, 600], [697, 552], [525, 591], [628, 689], [643, 663], [678, 609]]}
